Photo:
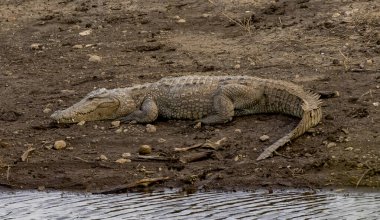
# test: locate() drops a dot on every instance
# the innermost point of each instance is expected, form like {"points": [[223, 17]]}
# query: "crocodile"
{"points": [[207, 99]]}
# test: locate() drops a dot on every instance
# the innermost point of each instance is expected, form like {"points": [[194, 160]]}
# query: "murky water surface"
{"points": [[205, 205]]}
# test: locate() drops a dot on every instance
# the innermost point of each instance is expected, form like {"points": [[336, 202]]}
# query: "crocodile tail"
{"points": [[312, 115]]}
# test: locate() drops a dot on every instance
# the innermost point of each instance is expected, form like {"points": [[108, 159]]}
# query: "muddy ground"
{"points": [[47, 63]]}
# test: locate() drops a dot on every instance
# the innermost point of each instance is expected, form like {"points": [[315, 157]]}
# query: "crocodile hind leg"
{"points": [[223, 108], [230, 98], [147, 113]]}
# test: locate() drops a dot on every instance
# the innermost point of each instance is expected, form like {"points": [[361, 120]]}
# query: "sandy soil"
{"points": [[45, 48]]}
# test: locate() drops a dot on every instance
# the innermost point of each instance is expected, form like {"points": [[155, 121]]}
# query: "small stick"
{"points": [[25, 155], [81, 159], [8, 172], [281, 155], [214, 146], [143, 182], [158, 158], [195, 157]]}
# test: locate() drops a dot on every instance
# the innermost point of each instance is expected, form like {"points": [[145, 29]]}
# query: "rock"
{"points": [[237, 66], [94, 58], [237, 130], [145, 149], [345, 130], [41, 188], [308, 155], [126, 155], [181, 20], [78, 46], [264, 138], [335, 15], [60, 144], [376, 104], [198, 125], [123, 160], [150, 128], [206, 15], [115, 124], [81, 123], [369, 62], [331, 144], [86, 32], [349, 148], [119, 130], [161, 140], [47, 110], [103, 157], [36, 46]]}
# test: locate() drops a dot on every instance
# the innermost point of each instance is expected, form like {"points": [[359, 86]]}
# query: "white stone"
{"points": [[86, 32], [126, 155], [123, 160], [103, 157], [60, 144], [94, 58], [150, 128], [264, 138]]}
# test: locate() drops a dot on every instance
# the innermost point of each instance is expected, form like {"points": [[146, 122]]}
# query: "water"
{"points": [[204, 205]]}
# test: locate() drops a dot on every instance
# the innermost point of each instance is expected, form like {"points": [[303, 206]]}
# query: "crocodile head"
{"points": [[98, 105]]}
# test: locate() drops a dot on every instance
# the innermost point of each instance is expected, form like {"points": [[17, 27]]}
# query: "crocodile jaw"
{"points": [[89, 109]]}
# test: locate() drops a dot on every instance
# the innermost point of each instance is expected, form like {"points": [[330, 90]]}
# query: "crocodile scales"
{"points": [[208, 99]]}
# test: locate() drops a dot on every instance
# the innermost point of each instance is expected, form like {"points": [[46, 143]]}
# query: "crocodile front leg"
{"points": [[148, 113]]}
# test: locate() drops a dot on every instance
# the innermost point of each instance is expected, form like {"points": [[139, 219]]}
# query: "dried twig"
{"points": [[140, 183], [364, 174], [8, 172], [213, 145], [245, 24], [25, 155], [81, 159]]}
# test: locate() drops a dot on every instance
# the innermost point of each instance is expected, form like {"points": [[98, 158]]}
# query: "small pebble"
{"points": [[47, 110], [349, 148], [331, 144], [94, 58], [145, 149], [345, 130], [86, 32], [237, 130], [115, 124], [103, 157], [81, 123], [369, 62], [119, 130], [41, 188], [150, 128], [181, 20], [61, 144], [308, 155], [161, 140], [376, 104], [78, 46], [264, 138], [198, 125], [123, 160], [126, 155], [36, 46], [237, 66]]}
